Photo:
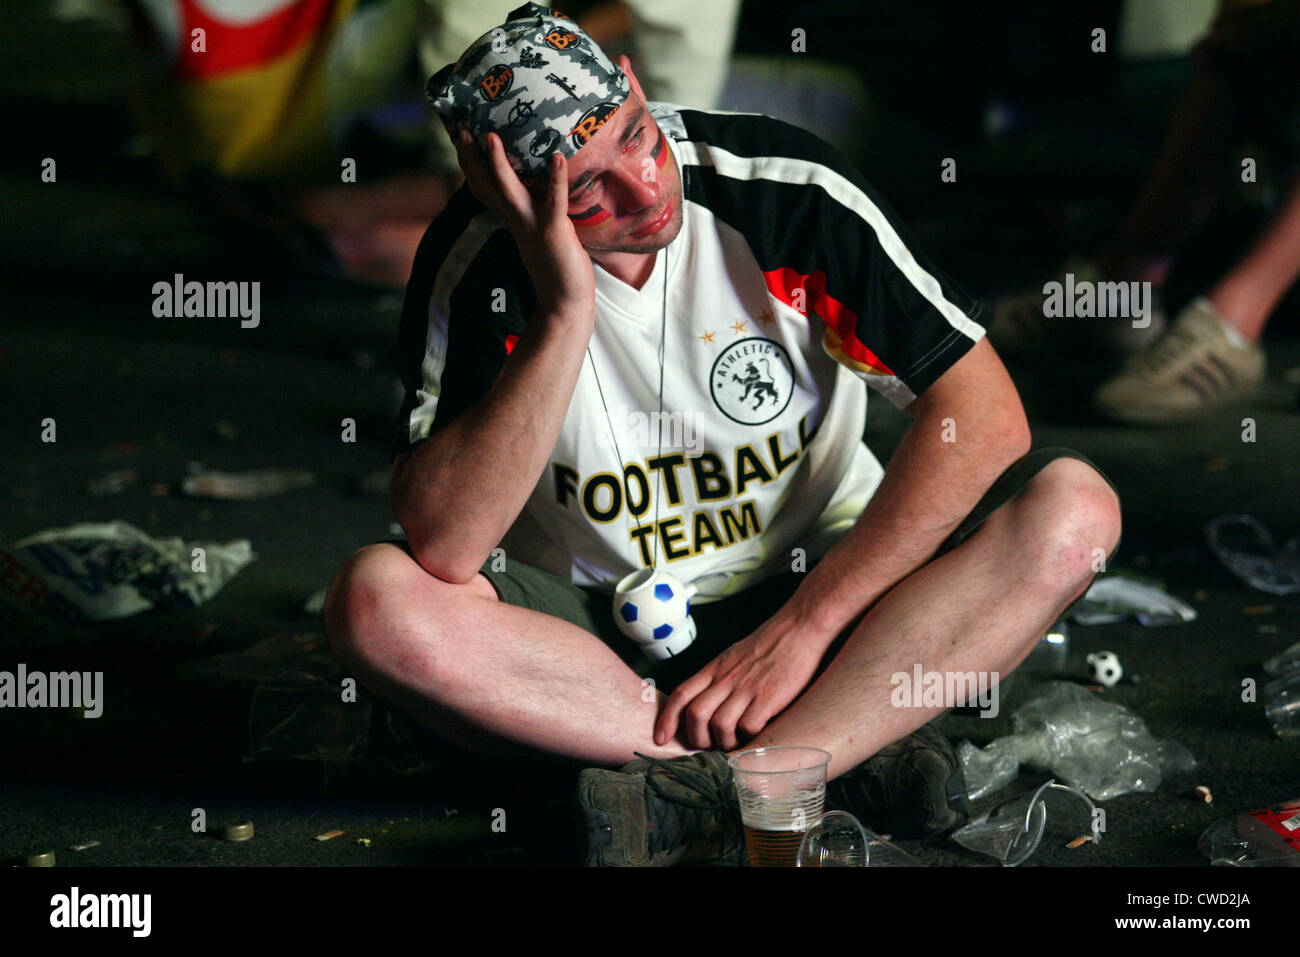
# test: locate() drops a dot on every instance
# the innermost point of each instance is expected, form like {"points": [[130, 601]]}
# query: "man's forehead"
{"points": [[587, 162], [593, 158]]}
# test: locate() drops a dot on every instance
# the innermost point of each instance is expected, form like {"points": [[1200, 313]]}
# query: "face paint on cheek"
{"points": [[591, 217], [660, 154]]}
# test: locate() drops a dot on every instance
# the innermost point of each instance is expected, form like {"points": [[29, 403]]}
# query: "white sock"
{"points": [[1232, 333]]}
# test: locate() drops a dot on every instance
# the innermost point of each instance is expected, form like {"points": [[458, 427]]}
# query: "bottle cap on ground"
{"points": [[238, 831]]}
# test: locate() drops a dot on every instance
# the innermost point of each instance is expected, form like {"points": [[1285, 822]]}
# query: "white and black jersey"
{"points": [[790, 284]]}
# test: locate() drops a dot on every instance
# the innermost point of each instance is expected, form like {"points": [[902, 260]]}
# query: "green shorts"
{"points": [[721, 623]]}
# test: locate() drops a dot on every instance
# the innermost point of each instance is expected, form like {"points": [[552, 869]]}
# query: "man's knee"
{"points": [[1075, 521], [355, 600], [369, 602]]}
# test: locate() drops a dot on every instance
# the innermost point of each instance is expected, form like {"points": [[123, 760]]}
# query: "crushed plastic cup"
{"points": [[837, 840], [1269, 837], [1248, 550], [1119, 596], [1285, 662], [1281, 700], [882, 852], [986, 771], [1012, 831], [833, 843]]}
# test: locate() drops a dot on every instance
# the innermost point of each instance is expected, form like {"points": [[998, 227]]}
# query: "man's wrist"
{"points": [[559, 307], [840, 588], [816, 614]]}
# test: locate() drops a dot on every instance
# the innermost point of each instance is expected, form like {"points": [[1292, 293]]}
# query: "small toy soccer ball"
{"points": [[1106, 669], [653, 608]]}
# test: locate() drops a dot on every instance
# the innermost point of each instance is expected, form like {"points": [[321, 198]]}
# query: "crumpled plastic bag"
{"points": [[1117, 597], [1247, 549], [988, 770], [1285, 662], [101, 571], [1013, 830], [1098, 746]]}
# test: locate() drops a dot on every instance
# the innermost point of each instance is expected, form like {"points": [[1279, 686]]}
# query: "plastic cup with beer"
{"points": [[782, 793]]}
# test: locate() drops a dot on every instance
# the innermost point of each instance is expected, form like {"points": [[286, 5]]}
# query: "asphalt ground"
{"points": [[79, 344]]}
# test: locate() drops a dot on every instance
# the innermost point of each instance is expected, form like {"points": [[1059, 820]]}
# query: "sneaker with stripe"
{"points": [[1193, 368]]}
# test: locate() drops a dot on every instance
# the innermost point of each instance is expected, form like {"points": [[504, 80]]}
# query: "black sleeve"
{"points": [[466, 306], [828, 244]]}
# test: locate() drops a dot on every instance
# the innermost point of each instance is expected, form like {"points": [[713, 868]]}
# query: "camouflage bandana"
{"points": [[538, 81]]}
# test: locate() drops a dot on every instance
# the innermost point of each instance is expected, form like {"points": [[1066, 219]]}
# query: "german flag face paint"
{"points": [[596, 214], [591, 217], [660, 151]]}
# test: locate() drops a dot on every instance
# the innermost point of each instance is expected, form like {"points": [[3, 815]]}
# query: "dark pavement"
{"points": [[79, 344]]}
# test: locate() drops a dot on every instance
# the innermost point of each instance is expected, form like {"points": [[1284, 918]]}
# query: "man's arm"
{"points": [[928, 488], [458, 492]]}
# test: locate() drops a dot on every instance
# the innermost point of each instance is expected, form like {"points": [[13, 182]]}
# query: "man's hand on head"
{"points": [[538, 219]]}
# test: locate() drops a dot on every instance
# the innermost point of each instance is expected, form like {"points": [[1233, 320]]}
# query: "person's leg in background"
{"points": [[1236, 63], [1211, 356], [681, 48], [1241, 71], [1247, 295]]}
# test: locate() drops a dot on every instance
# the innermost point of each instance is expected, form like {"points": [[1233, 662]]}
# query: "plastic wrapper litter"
{"points": [[1098, 746], [101, 571], [1118, 597]]}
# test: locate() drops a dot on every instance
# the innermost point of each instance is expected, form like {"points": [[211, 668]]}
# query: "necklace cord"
{"points": [[627, 491]]}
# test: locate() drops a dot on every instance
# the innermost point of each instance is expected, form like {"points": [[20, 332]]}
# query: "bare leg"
{"points": [[980, 607], [440, 650], [1247, 295], [374, 229], [1183, 187], [483, 672], [1244, 71]]}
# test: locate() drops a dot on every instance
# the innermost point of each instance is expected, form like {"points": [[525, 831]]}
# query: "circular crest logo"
{"points": [[752, 381]]}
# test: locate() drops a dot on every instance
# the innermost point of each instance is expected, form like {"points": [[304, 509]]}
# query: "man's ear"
{"points": [[626, 66]]}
